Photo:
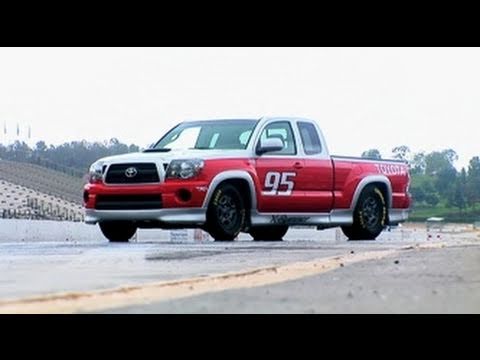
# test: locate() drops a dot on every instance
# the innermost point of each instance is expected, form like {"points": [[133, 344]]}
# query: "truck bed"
{"points": [[355, 158]]}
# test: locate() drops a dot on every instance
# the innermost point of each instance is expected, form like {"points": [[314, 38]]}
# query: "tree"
{"points": [[418, 194], [133, 148], [473, 182], [72, 158], [457, 197], [3, 152], [401, 152], [440, 160], [417, 165], [463, 177], [372, 154], [423, 190], [432, 199], [439, 164], [40, 147], [445, 181], [19, 150], [450, 155]]}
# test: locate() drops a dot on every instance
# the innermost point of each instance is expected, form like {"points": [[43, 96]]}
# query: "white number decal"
{"points": [[273, 180]]}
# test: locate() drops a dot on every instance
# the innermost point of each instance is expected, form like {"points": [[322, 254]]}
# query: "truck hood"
{"points": [[166, 157]]}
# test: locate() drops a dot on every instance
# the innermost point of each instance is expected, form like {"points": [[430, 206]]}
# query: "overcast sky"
{"points": [[426, 98]]}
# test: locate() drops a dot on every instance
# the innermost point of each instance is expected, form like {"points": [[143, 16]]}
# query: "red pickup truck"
{"points": [[255, 176]]}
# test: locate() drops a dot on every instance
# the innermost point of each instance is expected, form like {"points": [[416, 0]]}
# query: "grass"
{"points": [[421, 213]]}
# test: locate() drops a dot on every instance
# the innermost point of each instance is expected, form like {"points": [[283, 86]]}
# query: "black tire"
{"points": [[369, 216], [118, 231], [226, 213], [268, 233]]}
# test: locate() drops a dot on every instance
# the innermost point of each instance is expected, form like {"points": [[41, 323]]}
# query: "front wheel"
{"points": [[118, 231], [226, 213], [369, 216], [268, 233]]}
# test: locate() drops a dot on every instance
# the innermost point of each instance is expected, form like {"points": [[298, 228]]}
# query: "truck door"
{"points": [[280, 173], [317, 179]]}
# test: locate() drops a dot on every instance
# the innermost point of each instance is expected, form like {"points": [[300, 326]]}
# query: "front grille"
{"points": [[128, 202], [144, 173]]}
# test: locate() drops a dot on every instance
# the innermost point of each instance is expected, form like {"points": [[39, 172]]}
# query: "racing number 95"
{"points": [[273, 180]]}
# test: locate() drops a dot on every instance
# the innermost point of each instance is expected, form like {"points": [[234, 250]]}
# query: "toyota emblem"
{"points": [[131, 172]]}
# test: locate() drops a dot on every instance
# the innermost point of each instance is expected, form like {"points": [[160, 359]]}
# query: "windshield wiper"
{"points": [[157, 150]]}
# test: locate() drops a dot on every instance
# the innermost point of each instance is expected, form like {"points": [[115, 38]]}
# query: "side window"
{"points": [[310, 139], [283, 131]]}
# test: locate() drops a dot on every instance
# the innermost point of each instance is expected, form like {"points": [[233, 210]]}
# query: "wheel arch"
{"points": [[379, 180], [238, 177]]}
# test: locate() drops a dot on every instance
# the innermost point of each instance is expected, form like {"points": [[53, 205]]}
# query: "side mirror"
{"points": [[269, 145]]}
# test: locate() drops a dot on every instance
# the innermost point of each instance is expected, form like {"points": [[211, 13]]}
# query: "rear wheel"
{"points": [[268, 233], [369, 216], [226, 213], [118, 231]]}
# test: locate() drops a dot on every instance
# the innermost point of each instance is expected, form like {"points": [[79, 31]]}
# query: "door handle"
{"points": [[298, 165]]}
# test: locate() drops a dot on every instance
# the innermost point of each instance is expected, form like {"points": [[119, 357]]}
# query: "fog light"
{"points": [[184, 195]]}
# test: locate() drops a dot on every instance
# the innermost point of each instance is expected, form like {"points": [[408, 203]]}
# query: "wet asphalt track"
{"points": [[443, 279]]}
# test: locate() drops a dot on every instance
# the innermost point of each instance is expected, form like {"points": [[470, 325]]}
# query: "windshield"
{"points": [[206, 135]]}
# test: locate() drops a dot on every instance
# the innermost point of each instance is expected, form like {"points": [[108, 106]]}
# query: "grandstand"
{"points": [[35, 192]]}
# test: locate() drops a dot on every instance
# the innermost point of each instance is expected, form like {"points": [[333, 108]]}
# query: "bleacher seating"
{"points": [[30, 191], [44, 180]]}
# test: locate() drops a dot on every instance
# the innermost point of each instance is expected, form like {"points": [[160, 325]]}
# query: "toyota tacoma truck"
{"points": [[255, 176]]}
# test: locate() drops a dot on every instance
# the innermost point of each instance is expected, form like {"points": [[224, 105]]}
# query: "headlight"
{"points": [[95, 172], [184, 169]]}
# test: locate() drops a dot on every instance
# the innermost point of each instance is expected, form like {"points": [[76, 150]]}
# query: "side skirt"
{"points": [[320, 220]]}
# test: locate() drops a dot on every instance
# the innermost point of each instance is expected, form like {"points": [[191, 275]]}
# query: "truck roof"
{"points": [[289, 118], [215, 120]]}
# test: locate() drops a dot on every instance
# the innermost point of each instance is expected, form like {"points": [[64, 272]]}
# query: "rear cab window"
{"points": [[310, 139]]}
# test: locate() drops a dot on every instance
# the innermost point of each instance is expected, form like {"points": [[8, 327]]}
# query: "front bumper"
{"points": [[185, 216], [169, 191]]}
